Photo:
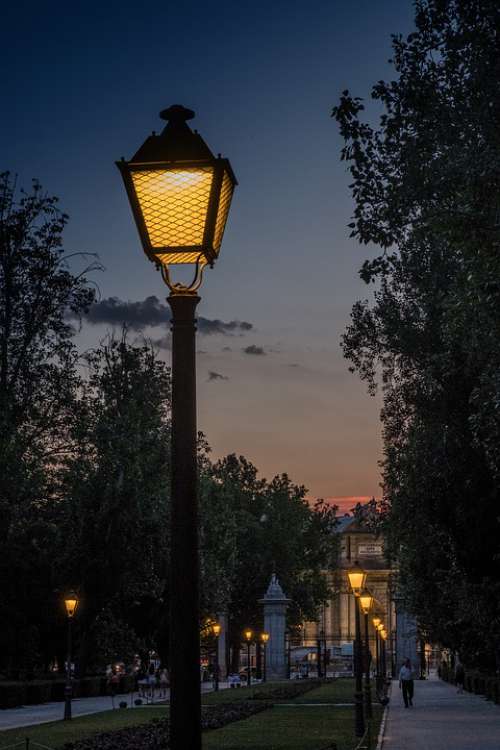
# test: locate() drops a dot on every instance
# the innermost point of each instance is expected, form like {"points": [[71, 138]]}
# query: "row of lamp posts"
{"points": [[364, 601], [250, 638]]}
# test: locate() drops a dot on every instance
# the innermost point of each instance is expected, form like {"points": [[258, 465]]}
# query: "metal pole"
{"points": [[368, 689], [249, 679], [318, 657], [264, 671], [185, 699], [216, 680], [68, 689], [359, 720]]}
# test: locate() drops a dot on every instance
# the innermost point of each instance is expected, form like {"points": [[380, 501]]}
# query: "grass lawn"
{"points": [[56, 733], [300, 727]]}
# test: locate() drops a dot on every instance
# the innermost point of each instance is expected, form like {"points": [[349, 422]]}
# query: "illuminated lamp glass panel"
{"points": [[174, 205], [226, 195]]}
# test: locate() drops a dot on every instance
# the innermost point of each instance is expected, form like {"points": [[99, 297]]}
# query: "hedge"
{"points": [[155, 734], [12, 694], [285, 691], [17, 693]]}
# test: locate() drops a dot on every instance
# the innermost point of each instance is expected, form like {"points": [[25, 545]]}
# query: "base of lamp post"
{"points": [[68, 694]]}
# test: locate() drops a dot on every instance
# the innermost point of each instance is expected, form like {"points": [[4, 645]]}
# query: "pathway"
{"points": [[24, 716], [441, 720]]}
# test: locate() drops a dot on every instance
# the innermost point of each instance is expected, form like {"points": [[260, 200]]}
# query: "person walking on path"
{"points": [[459, 677], [406, 683]]}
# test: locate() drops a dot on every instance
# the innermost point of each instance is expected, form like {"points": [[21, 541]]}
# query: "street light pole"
{"points": [[248, 638], [71, 604], [264, 638], [185, 700], [216, 629], [357, 578], [180, 195]]}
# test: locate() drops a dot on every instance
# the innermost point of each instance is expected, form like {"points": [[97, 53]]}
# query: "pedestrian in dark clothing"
{"points": [[459, 677], [406, 683]]}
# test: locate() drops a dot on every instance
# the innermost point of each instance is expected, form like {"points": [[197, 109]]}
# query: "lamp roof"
{"points": [[176, 142]]}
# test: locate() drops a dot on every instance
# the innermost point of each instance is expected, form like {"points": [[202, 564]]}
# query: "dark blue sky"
{"points": [[82, 86]]}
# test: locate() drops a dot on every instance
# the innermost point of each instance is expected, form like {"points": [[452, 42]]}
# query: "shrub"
{"points": [[127, 683], [285, 691], [38, 691], [57, 690], [154, 735], [90, 687], [123, 704], [138, 702], [12, 694]]}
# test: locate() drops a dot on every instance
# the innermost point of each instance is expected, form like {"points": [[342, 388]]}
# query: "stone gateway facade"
{"points": [[330, 639]]}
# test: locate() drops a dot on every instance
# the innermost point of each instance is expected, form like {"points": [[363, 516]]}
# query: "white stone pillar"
{"points": [[275, 604]]}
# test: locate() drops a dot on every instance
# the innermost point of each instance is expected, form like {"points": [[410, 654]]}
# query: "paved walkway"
{"points": [[24, 716], [441, 720]]}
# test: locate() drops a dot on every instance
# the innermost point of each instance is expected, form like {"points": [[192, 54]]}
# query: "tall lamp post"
{"points": [[180, 196], [264, 637], [248, 637], [357, 579], [366, 602], [383, 635], [216, 630], [71, 605]]}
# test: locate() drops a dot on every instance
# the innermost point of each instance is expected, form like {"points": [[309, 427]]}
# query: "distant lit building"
{"points": [[335, 628]]}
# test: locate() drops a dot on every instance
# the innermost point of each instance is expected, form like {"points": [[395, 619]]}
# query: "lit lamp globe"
{"points": [[71, 604], [180, 195], [264, 637], [216, 629], [366, 601], [248, 635], [357, 579], [376, 622], [383, 633]]}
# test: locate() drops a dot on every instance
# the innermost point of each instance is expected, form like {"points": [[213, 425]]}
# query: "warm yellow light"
{"points": [[71, 604], [216, 628], [380, 627], [376, 622], [248, 635], [357, 579], [366, 601], [174, 207], [264, 637], [383, 633]]}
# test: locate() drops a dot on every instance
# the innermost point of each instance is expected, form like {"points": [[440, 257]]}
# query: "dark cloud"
{"points": [[151, 312], [216, 376], [252, 349]]}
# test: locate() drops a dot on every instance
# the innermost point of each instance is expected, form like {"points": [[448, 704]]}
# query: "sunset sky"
{"points": [[83, 84]]}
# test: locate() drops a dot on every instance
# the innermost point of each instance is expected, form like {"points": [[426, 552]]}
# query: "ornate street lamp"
{"points": [[248, 637], [264, 637], [71, 605], [180, 196], [216, 630], [366, 603], [357, 579]]}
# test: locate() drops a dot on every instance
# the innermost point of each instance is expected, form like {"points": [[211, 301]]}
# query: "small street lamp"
{"points": [[71, 605], [248, 637], [357, 579], [216, 630], [264, 637], [376, 622], [180, 195], [366, 602]]}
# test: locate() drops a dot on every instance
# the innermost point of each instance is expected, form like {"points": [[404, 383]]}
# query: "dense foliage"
{"points": [[426, 189], [85, 474]]}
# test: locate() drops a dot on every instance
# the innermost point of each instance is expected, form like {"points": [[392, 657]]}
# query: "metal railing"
{"points": [[27, 744]]}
